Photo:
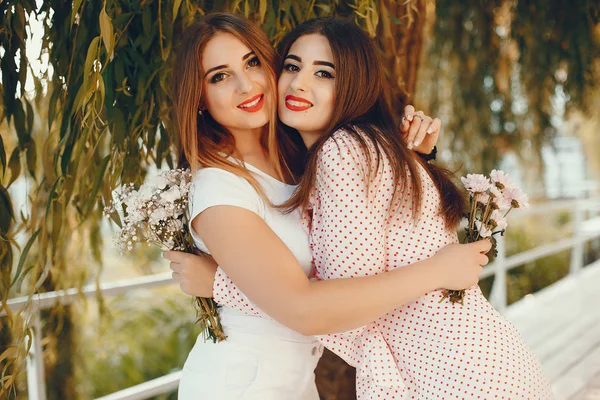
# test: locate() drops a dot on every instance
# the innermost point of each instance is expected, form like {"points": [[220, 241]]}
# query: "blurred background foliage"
{"points": [[84, 106]]}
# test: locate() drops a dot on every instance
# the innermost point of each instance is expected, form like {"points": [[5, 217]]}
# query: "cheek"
{"points": [[328, 102]]}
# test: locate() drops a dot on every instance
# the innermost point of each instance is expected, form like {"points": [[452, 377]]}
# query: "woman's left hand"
{"points": [[420, 131]]}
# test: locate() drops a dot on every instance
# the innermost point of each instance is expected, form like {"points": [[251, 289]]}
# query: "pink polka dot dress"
{"points": [[425, 349]]}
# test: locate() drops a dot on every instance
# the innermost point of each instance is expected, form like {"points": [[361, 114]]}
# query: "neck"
{"points": [[309, 138], [247, 142]]}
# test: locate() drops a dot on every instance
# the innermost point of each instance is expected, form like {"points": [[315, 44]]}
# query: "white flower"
{"points": [[464, 223], [146, 191], [158, 215], [158, 182], [516, 197], [171, 195], [482, 229], [482, 198], [175, 225], [476, 183], [499, 220], [500, 179]]}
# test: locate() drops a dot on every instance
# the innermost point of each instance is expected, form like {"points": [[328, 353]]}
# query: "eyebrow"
{"points": [[226, 65], [325, 63]]}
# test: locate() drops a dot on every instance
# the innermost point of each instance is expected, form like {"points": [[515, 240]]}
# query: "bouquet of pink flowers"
{"points": [[156, 213], [490, 201]]}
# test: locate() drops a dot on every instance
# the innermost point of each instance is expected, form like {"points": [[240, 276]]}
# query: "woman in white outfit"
{"points": [[225, 105]]}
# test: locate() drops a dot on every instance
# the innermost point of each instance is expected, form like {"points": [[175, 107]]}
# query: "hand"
{"points": [[420, 131], [459, 265], [195, 274]]}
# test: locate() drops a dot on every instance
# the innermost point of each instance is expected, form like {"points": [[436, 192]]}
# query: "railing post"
{"points": [[498, 295], [36, 381], [578, 247]]}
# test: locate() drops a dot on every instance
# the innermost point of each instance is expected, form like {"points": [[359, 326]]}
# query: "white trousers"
{"points": [[250, 367]]}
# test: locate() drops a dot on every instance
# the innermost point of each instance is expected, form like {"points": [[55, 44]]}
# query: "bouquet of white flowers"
{"points": [[156, 213], [490, 201]]}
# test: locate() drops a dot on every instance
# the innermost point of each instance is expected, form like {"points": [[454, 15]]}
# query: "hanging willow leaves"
{"points": [[102, 117]]}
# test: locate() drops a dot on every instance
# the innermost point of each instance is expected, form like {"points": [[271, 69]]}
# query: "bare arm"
{"points": [[267, 272]]}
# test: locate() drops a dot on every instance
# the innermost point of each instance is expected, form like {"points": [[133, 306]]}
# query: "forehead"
{"points": [[312, 47], [223, 49]]}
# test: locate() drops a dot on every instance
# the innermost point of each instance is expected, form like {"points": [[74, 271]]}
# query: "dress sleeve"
{"points": [[351, 204], [226, 293]]}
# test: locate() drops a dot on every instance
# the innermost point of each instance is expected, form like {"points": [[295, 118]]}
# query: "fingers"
{"points": [[483, 246], [404, 125], [434, 127], [172, 255], [409, 112], [483, 260], [415, 125], [423, 129], [176, 267], [176, 276]]}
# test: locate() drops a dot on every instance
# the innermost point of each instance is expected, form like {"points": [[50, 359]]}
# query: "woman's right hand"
{"points": [[459, 265], [195, 274]]}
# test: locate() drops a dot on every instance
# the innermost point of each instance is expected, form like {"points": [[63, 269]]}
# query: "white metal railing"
{"points": [[584, 230]]}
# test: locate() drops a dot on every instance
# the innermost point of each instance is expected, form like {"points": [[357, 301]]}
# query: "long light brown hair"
{"points": [[202, 140], [362, 104]]}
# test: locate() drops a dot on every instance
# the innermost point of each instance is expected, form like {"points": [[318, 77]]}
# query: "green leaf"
{"points": [[176, 5], [75, 10], [19, 121], [31, 156], [262, 10], [91, 56], [147, 21], [107, 32], [6, 210], [2, 155], [52, 106], [53, 194], [30, 115], [24, 256], [98, 180], [14, 165], [325, 7]]}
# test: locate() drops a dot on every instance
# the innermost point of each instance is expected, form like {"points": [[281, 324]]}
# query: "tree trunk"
{"points": [[400, 38]]}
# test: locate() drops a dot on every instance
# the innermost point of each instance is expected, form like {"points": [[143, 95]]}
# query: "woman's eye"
{"points": [[291, 68], [218, 77], [255, 62], [324, 74]]}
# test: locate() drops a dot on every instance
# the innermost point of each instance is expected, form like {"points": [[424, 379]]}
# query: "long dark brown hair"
{"points": [[361, 105], [200, 138]]}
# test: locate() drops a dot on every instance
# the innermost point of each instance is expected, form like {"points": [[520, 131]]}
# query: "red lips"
{"points": [[307, 104], [256, 107]]}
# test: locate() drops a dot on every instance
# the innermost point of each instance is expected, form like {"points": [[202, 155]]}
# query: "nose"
{"points": [[244, 84], [299, 83]]}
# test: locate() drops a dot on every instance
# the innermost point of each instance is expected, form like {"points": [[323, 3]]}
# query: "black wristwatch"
{"points": [[430, 156]]}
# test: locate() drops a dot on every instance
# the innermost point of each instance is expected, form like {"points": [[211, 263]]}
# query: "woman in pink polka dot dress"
{"points": [[371, 206], [364, 221]]}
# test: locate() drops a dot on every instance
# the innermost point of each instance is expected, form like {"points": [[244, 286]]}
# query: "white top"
{"points": [[217, 187]]}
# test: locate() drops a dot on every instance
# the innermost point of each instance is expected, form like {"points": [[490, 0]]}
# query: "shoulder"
{"points": [[215, 186], [346, 147], [215, 178]]}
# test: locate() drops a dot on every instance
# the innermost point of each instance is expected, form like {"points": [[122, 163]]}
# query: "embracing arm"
{"points": [[267, 272]]}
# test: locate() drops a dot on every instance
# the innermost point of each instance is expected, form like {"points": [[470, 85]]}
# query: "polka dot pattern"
{"points": [[425, 349]]}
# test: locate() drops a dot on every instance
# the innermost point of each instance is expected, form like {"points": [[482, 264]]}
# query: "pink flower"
{"points": [[500, 179], [476, 183], [516, 197], [482, 229]]}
